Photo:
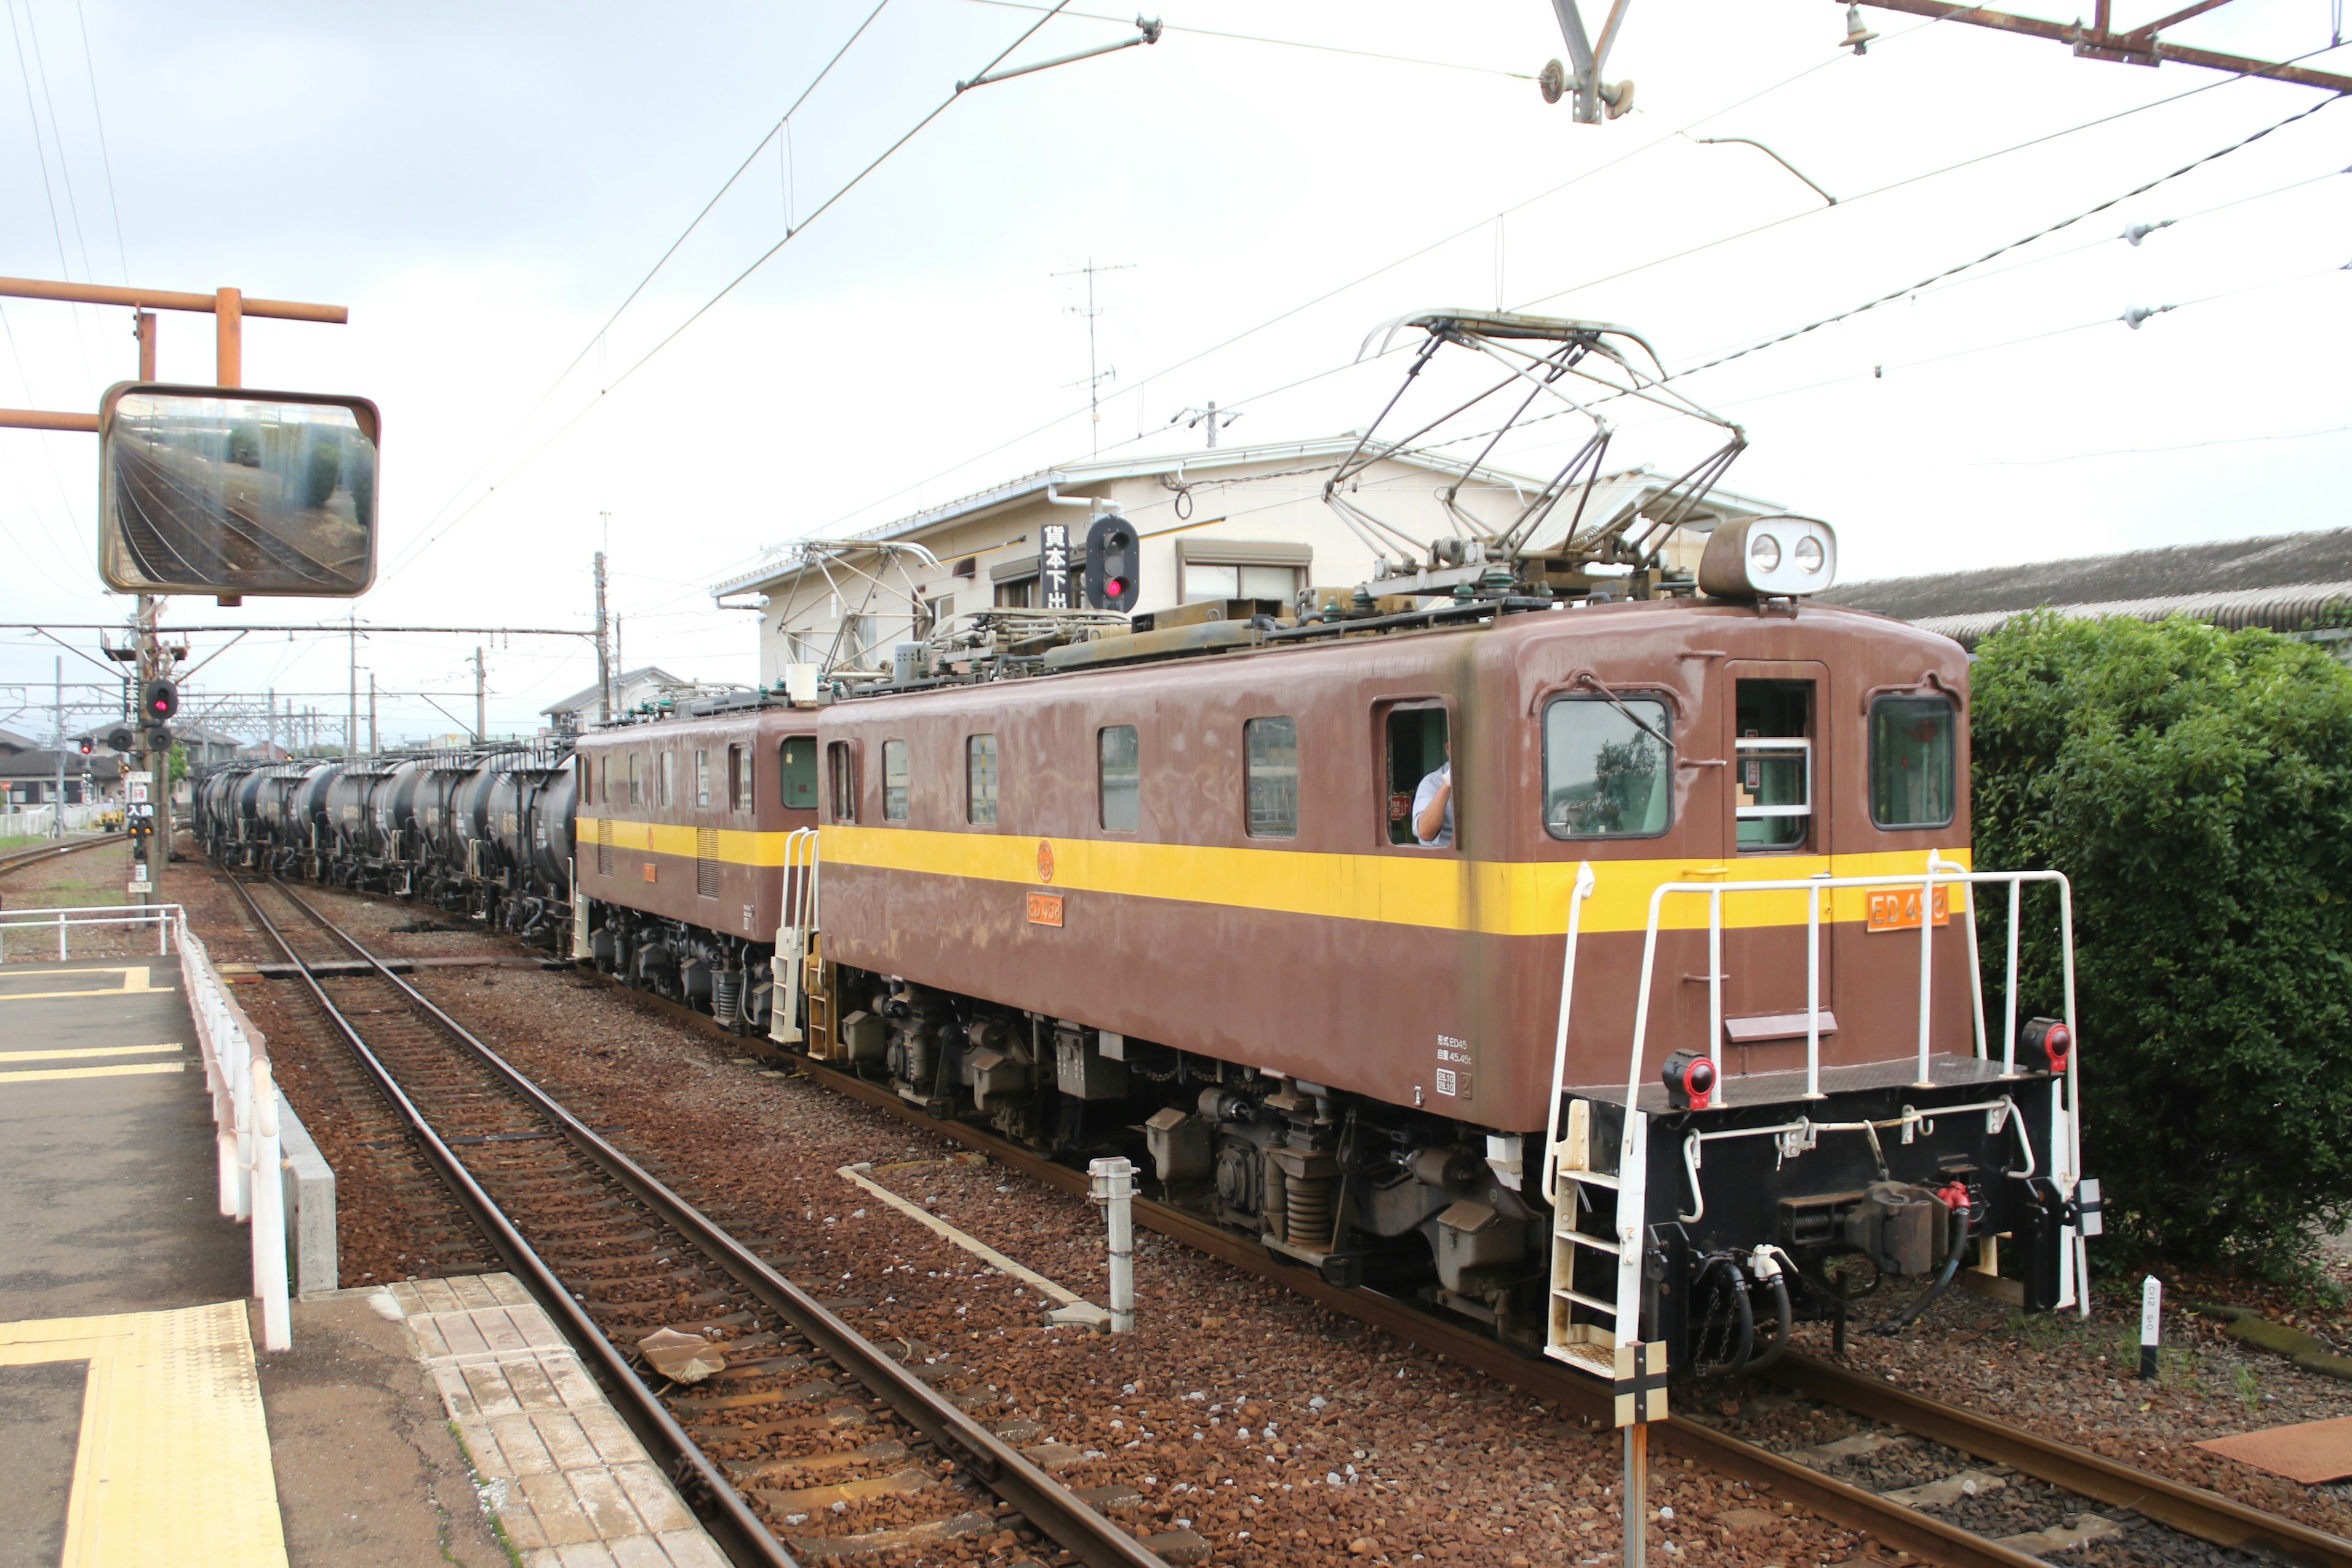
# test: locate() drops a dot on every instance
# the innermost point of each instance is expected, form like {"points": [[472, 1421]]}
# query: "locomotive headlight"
{"points": [[1768, 557]]}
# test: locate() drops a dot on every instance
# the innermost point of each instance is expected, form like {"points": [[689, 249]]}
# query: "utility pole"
{"points": [[351, 714], [374, 746], [269, 718], [481, 709], [604, 652], [57, 818], [1095, 375], [620, 670]]}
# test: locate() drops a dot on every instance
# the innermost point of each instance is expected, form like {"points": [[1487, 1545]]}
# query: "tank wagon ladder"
{"points": [[1569, 1154]]}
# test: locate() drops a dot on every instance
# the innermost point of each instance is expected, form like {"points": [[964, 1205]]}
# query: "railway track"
{"points": [[2067, 1483], [19, 859], [850, 1450], [2169, 1522]]}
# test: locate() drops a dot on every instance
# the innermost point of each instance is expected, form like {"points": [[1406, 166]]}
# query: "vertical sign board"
{"points": [[2151, 1324], [1054, 567]]}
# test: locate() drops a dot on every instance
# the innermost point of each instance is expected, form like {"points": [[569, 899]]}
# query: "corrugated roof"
{"points": [[2175, 573]]}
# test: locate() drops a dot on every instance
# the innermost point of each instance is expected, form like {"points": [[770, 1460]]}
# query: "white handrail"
{"points": [[164, 917], [1583, 891]]}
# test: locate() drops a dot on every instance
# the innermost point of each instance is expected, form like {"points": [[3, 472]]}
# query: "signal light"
{"points": [[158, 739], [88, 746], [1690, 1080], [2053, 1039], [117, 739], [163, 698], [1111, 564]]}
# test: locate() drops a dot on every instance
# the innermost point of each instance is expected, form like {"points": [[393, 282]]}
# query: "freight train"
{"points": [[1600, 969]]}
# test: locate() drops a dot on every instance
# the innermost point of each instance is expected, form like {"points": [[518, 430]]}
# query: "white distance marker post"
{"points": [[2151, 1324], [1113, 1188]]}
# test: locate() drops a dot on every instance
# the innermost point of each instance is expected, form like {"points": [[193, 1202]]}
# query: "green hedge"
{"points": [[2196, 787]]}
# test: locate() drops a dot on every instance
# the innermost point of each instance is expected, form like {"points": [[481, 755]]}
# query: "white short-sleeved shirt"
{"points": [[1421, 799]]}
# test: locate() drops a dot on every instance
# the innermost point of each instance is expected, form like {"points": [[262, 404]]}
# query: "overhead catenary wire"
{"points": [[105, 158], [684, 235], [1279, 43], [732, 284]]}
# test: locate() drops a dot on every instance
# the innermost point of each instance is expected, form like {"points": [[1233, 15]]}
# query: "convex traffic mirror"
{"points": [[205, 490]]}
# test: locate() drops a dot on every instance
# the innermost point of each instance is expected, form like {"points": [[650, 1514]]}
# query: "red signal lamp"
{"points": [[2053, 1039], [1690, 1080]]}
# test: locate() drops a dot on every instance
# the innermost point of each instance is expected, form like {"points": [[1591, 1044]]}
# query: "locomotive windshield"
{"points": [[1606, 772], [1911, 762]]}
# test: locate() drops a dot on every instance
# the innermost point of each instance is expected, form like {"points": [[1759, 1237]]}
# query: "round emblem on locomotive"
{"points": [[1044, 859]]}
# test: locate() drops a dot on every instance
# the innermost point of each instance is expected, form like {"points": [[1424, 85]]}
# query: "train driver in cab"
{"points": [[1433, 806]]}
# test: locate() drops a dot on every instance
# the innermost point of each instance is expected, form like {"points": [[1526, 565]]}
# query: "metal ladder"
{"points": [[1587, 1345]]}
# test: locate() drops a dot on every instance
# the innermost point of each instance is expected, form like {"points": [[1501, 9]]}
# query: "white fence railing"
{"points": [[64, 921], [238, 1076], [41, 821]]}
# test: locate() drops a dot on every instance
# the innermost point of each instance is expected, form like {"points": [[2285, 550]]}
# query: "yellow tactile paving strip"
{"points": [[567, 1480], [173, 1460]]}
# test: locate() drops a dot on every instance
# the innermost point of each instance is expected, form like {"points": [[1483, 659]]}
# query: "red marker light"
{"points": [[1690, 1080], [2053, 1039]]}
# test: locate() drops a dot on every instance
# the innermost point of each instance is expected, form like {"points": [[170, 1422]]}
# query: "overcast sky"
{"points": [[483, 186]]}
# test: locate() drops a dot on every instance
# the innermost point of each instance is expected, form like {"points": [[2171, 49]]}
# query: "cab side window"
{"points": [[1413, 741], [666, 792], [980, 780], [796, 772], [739, 777], [636, 784], [702, 777], [1913, 763]]}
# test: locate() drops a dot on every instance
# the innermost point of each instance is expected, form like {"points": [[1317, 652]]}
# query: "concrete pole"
{"points": [[603, 648], [1113, 1188], [374, 746], [481, 707], [57, 718], [351, 714]]}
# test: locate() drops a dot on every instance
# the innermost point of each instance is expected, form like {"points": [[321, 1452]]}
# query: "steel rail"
{"points": [[24, 858], [1048, 1505], [740, 1530], [2193, 1511]]}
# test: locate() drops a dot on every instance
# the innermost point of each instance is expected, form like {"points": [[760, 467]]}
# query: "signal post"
{"points": [[147, 785]]}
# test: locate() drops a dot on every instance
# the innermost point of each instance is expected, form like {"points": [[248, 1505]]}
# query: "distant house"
{"points": [[647, 683], [29, 776], [2292, 583]]}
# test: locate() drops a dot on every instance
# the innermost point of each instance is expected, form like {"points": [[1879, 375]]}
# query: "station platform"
{"points": [[432, 1422]]}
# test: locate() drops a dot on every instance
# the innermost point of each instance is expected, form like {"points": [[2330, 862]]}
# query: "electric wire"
{"points": [[2043, 233], [105, 158], [684, 235], [1280, 43], [56, 135], [33, 118], [732, 284]]}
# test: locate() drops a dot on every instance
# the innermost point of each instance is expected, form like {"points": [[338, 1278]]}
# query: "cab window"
{"points": [[1119, 778], [796, 772], [1912, 762], [1415, 739], [1609, 767], [893, 781], [667, 778], [739, 777], [1773, 764], [702, 776], [636, 784]]}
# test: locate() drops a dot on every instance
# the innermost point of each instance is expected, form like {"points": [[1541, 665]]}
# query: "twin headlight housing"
{"points": [[1768, 557]]}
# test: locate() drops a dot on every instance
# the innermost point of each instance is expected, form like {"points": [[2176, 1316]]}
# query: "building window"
{"points": [[739, 776], [893, 781], [1416, 749], [980, 780], [844, 768], [1270, 761], [702, 777], [1773, 759], [1020, 596], [636, 786], [1209, 582], [666, 779], [1608, 768], [1118, 775], [796, 772], [1913, 763]]}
